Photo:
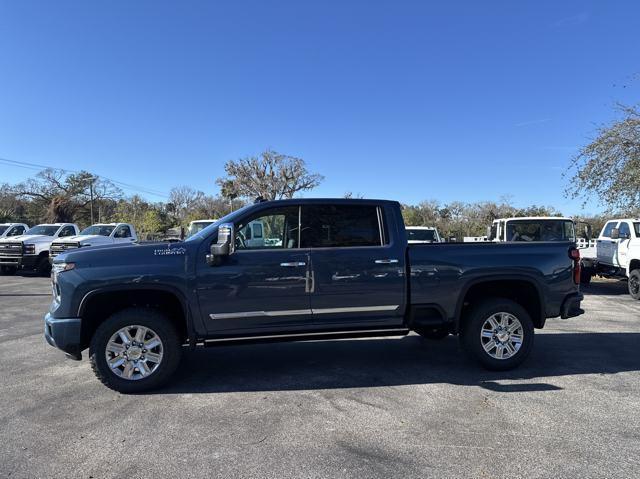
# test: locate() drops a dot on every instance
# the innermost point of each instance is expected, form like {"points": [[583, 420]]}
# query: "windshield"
{"points": [[3, 228], [45, 230], [230, 218], [199, 226], [101, 230], [540, 230], [421, 235]]}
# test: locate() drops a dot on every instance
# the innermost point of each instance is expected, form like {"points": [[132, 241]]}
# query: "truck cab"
{"points": [[532, 228], [617, 254], [7, 230], [31, 249], [95, 235]]}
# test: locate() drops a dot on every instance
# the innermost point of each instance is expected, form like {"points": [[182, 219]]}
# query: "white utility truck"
{"points": [[96, 235], [31, 250], [422, 235], [617, 254]]}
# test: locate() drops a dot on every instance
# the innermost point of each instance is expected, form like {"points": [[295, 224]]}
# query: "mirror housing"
{"points": [[488, 233], [588, 234], [615, 233], [224, 246]]}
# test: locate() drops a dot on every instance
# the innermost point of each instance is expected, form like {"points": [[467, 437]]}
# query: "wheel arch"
{"points": [[99, 304], [521, 289]]}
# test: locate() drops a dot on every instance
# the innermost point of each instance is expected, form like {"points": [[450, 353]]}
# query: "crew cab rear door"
{"points": [[357, 271]]}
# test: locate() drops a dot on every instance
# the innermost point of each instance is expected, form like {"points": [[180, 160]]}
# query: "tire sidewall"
{"points": [[636, 274], [160, 324], [470, 335]]}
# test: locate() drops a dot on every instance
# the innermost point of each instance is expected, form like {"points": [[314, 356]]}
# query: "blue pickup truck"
{"points": [[298, 270]]}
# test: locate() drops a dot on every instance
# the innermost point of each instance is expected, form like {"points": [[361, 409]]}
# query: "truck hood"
{"points": [[92, 239], [30, 239], [126, 254]]}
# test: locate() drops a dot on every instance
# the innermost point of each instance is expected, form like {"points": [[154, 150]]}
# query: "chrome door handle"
{"points": [[386, 261], [293, 264]]}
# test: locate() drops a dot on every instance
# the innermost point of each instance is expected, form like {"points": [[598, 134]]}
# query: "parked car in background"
{"points": [[8, 230], [31, 250], [422, 235], [322, 269], [534, 228], [95, 235], [617, 254]]}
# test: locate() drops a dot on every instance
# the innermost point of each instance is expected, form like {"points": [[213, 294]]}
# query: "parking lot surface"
{"points": [[395, 407]]}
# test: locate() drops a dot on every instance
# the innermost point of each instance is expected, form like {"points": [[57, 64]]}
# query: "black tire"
{"points": [[585, 277], [634, 284], [472, 343], [9, 270], [150, 318], [43, 267], [432, 333]]}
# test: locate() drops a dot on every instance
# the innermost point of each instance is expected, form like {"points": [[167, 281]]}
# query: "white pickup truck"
{"points": [[96, 235], [617, 254], [31, 250]]}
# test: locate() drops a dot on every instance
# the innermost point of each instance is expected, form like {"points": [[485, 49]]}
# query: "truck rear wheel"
{"points": [[634, 284], [498, 333], [135, 350]]}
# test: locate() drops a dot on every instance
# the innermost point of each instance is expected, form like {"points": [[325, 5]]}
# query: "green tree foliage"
{"points": [[609, 166]]}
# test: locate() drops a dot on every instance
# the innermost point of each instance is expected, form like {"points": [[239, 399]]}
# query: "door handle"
{"points": [[386, 261], [293, 264]]}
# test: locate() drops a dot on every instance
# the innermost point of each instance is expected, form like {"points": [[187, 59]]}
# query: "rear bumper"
{"points": [[64, 334], [571, 306]]}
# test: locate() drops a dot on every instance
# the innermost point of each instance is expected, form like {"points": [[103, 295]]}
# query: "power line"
{"points": [[127, 186]]}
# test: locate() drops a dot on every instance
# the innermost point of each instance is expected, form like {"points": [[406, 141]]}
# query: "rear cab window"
{"points": [[342, 226]]}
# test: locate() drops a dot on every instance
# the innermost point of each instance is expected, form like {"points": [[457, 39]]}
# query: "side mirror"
{"points": [[224, 246], [489, 233], [615, 233], [587, 232]]}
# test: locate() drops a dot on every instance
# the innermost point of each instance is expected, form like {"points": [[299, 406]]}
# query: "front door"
{"points": [[357, 273], [262, 285], [606, 247]]}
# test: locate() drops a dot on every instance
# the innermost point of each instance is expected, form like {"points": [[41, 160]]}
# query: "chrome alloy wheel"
{"points": [[134, 352], [501, 335]]}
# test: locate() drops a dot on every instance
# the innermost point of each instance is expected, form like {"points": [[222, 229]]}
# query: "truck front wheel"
{"points": [[498, 333], [634, 284], [135, 350]]}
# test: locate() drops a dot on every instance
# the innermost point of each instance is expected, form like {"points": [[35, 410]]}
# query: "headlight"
{"points": [[29, 249], [58, 268]]}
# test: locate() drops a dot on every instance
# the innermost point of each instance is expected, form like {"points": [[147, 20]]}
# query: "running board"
{"points": [[315, 336]]}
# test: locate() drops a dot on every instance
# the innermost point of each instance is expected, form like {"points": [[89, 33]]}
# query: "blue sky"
{"points": [[455, 100]]}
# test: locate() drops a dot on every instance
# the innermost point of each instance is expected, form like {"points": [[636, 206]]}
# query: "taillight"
{"points": [[574, 254]]}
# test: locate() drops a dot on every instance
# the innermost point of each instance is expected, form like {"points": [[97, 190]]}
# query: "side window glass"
{"points": [[123, 232], [335, 226], [66, 231], [279, 228], [606, 233], [625, 231]]}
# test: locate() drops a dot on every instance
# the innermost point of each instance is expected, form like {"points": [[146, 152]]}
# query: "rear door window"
{"points": [[341, 226]]}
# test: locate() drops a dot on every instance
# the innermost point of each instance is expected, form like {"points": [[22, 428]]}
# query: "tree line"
{"points": [[607, 169]]}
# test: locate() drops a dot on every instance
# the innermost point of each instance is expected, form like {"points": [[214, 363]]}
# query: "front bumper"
{"points": [[64, 334], [27, 261], [571, 306]]}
